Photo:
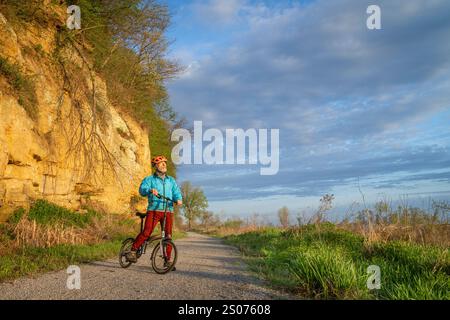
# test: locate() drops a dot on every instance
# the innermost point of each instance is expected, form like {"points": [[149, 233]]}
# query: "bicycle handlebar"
{"points": [[165, 198]]}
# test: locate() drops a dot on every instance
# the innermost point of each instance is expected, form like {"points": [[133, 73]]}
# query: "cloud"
{"points": [[217, 11], [318, 175], [297, 61], [336, 90]]}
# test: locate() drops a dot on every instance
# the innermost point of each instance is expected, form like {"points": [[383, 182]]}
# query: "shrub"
{"points": [[44, 212], [22, 85]]}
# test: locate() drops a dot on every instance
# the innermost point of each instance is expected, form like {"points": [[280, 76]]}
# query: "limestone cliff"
{"points": [[60, 148]]}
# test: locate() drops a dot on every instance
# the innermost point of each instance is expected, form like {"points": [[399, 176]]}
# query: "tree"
{"points": [[206, 218], [253, 220], [194, 202], [326, 203], [178, 220], [283, 215]]}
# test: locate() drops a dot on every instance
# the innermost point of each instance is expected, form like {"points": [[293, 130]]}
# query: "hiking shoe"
{"points": [[167, 265], [131, 256]]}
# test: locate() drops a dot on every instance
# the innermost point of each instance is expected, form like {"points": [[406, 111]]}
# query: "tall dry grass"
{"points": [[382, 224], [28, 232], [424, 234], [235, 230]]}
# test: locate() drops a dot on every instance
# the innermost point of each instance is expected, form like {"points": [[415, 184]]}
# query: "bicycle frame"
{"points": [[163, 226], [143, 248], [161, 238]]}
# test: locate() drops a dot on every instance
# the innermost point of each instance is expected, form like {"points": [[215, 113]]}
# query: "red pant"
{"points": [[153, 217]]}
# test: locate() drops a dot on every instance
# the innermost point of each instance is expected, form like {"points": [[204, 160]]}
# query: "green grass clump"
{"points": [[328, 263], [412, 271], [22, 85], [44, 212], [16, 216], [323, 272]]}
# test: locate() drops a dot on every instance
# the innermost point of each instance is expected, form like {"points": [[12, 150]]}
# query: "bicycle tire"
{"points": [[158, 258], [126, 247]]}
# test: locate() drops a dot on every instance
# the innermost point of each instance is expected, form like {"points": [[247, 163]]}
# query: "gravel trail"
{"points": [[206, 269]]}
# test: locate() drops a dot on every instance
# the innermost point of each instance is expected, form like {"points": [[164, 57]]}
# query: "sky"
{"points": [[359, 111]]}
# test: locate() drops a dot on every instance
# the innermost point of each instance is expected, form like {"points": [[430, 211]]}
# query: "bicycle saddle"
{"points": [[141, 215]]}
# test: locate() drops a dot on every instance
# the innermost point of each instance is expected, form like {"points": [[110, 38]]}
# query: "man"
{"points": [[150, 187]]}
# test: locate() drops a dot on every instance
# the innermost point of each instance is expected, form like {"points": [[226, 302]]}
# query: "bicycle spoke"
{"points": [[160, 258]]}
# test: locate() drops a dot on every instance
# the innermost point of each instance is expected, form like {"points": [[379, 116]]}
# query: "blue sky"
{"points": [[356, 108]]}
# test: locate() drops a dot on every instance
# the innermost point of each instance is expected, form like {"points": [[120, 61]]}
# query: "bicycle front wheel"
{"points": [[161, 261]]}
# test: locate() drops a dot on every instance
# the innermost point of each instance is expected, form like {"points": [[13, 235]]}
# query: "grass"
{"points": [[49, 237], [44, 212], [331, 263], [34, 260], [22, 85], [28, 11]]}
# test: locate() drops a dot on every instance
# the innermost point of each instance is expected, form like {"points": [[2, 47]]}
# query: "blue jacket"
{"points": [[168, 188]]}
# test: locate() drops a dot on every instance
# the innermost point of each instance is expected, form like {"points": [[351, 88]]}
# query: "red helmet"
{"points": [[158, 159]]}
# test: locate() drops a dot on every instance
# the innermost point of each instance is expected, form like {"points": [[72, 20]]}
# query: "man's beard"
{"points": [[160, 173]]}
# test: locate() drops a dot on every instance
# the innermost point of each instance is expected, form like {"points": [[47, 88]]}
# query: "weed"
{"points": [[22, 85], [331, 263]]}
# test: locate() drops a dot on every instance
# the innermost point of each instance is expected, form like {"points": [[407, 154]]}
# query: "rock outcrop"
{"points": [[65, 152]]}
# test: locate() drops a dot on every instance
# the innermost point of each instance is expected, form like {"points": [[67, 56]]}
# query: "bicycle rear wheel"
{"points": [[126, 247], [159, 257]]}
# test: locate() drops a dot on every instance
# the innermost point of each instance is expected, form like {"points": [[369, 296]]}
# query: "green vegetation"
{"points": [[29, 11], [49, 237], [327, 262], [22, 84], [194, 202], [123, 42], [127, 47], [34, 260], [323, 260], [44, 212]]}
